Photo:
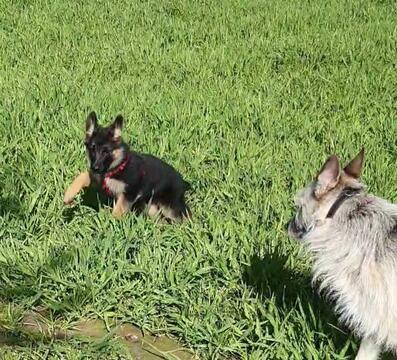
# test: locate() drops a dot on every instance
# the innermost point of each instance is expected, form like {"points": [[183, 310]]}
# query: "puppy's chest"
{"points": [[113, 186]]}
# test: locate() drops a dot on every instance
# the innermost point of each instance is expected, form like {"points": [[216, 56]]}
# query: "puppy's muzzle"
{"points": [[98, 167]]}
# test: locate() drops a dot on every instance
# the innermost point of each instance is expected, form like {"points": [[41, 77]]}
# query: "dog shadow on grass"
{"points": [[271, 278], [10, 205], [92, 198]]}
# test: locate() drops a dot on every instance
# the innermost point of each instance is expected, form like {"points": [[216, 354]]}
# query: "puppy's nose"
{"points": [[96, 166]]}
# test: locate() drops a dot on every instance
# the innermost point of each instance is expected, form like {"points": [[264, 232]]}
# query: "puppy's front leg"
{"points": [[80, 182], [368, 350], [122, 206]]}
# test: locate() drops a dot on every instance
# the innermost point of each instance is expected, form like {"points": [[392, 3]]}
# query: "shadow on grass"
{"points": [[10, 205], [91, 198], [10, 195], [95, 199], [8, 338], [271, 278]]}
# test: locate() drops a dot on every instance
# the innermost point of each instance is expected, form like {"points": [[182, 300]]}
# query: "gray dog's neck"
{"points": [[345, 194], [363, 228], [354, 259], [361, 218]]}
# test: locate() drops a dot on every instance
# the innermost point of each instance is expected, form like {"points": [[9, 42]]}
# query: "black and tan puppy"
{"points": [[136, 181]]}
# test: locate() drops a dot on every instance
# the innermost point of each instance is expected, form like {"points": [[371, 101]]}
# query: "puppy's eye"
{"points": [[93, 147]]}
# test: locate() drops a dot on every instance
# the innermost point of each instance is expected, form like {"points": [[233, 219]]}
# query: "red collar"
{"points": [[112, 173], [118, 169]]}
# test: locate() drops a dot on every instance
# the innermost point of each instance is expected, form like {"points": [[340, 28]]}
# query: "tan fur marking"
{"points": [[117, 133], [168, 213], [80, 182], [122, 206], [117, 154], [117, 158], [90, 130], [117, 187], [153, 210]]}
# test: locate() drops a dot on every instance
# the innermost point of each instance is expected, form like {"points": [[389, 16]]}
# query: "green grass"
{"points": [[246, 99]]}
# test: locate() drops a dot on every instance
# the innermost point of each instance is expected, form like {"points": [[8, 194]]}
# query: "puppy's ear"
{"points": [[354, 167], [116, 127], [328, 176], [91, 124]]}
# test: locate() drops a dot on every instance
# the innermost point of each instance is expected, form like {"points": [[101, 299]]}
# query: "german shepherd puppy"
{"points": [[352, 237], [136, 181]]}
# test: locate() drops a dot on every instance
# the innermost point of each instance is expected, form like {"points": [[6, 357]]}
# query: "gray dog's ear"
{"points": [[328, 176], [91, 124], [354, 167]]}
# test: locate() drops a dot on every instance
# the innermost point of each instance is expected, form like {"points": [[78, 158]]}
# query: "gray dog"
{"points": [[352, 237]]}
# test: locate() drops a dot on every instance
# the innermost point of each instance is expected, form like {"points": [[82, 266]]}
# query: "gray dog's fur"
{"points": [[352, 237]]}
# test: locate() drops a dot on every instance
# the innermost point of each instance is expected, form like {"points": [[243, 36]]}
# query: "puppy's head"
{"points": [[105, 148], [314, 202]]}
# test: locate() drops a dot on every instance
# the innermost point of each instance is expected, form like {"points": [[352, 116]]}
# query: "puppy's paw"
{"points": [[117, 213], [68, 198]]}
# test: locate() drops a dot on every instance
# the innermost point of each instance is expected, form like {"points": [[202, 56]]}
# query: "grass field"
{"points": [[246, 99]]}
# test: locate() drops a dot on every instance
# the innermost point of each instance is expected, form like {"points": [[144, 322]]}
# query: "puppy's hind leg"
{"points": [[153, 210], [177, 211], [80, 182], [122, 206], [368, 350], [182, 209]]}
